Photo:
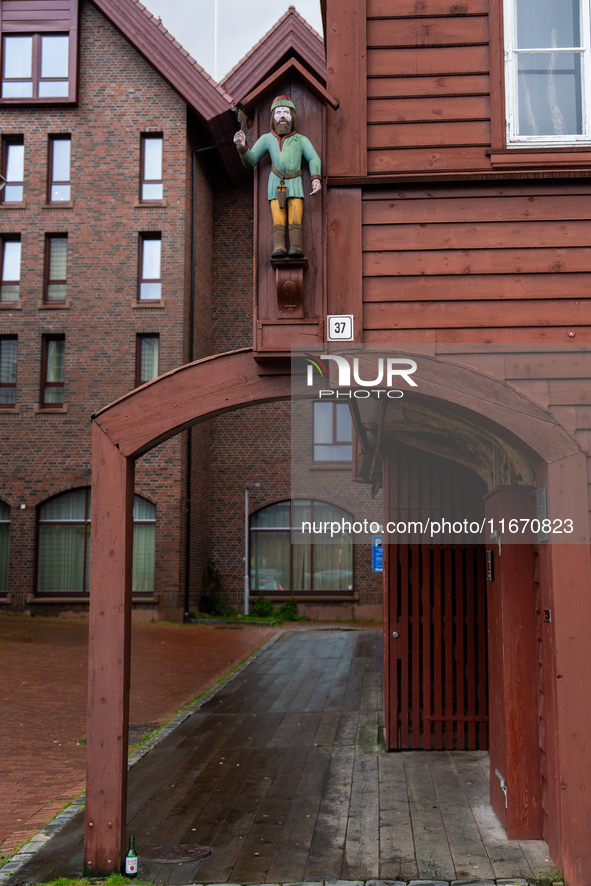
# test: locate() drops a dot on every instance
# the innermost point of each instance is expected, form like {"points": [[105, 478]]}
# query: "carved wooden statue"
{"points": [[286, 147]]}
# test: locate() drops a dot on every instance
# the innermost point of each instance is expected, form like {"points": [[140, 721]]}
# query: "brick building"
{"points": [[127, 244]]}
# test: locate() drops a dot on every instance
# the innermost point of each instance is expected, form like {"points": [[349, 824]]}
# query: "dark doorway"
{"points": [[435, 612]]}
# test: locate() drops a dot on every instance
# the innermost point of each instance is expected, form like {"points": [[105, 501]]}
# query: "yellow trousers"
{"points": [[292, 214]]}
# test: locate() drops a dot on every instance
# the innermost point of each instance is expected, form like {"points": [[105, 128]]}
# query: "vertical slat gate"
{"points": [[462, 589], [544, 799], [438, 661], [482, 725], [426, 620]]}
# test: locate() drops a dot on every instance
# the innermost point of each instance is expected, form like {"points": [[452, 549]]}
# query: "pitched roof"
{"points": [[290, 35], [151, 39], [269, 85]]}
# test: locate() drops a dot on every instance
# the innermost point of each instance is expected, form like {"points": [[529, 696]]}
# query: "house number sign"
{"points": [[340, 327]]}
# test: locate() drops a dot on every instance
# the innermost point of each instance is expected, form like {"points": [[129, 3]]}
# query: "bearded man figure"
{"points": [[286, 147]]}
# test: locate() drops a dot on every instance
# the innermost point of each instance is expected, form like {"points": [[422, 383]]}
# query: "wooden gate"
{"points": [[436, 610]]}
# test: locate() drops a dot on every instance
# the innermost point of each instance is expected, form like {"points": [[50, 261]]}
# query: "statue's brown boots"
{"points": [[279, 247], [296, 240]]}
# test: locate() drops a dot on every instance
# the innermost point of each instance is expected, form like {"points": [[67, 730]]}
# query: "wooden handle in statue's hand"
{"points": [[240, 141]]}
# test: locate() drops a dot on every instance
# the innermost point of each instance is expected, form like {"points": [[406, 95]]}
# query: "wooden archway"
{"points": [[148, 416], [121, 433]]}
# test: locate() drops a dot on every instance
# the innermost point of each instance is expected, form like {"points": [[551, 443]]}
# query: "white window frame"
{"points": [[514, 140]]}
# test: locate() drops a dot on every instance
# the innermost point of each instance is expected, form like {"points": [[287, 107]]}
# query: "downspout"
{"points": [[191, 357], [190, 430]]}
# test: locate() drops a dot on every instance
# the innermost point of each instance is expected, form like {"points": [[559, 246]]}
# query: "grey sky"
{"points": [[241, 23]]}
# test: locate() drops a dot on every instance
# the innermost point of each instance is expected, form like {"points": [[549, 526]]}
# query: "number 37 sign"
{"points": [[340, 327]]}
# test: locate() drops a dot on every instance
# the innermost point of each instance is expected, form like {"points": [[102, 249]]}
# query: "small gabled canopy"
{"points": [[270, 84], [292, 36]]}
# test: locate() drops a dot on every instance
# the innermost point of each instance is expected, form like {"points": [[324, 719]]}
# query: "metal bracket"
{"points": [[495, 536], [503, 785]]}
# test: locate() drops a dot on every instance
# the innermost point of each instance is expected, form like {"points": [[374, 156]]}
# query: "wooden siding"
{"points": [[346, 78], [39, 15], [428, 86], [447, 258]]}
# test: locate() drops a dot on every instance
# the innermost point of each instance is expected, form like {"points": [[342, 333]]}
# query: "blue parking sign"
{"points": [[377, 553]]}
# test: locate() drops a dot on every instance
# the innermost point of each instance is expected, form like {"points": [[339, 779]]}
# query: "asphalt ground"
{"points": [[43, 662]]}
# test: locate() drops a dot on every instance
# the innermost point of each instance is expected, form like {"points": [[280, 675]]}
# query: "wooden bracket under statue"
{"points": [[289, 273]]}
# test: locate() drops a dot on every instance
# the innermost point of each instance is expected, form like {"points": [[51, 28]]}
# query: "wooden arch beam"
{"points": [[122, 432], [130, 427], [162, 408]]}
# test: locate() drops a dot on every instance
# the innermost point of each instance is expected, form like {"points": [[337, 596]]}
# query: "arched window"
{"points": [[280, 568], [4, 538], [64, 544]]}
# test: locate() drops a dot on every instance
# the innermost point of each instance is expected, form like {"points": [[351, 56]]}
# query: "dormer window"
{"points": [[38, 61], [36, 66], [548, 72]]}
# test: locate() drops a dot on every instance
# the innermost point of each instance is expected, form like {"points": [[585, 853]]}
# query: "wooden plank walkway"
{"points": [[283, 774]]}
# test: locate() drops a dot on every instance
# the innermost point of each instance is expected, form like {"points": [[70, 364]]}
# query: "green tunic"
{"points": [[285, 158]]}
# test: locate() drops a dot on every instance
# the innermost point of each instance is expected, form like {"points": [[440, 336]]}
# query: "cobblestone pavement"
{"points": [[43, 662]]}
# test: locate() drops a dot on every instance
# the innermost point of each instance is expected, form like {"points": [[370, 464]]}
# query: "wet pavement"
{"points": [[282, 773], [43, 662]]}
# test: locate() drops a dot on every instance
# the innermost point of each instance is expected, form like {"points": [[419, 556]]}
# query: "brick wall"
{"points": [[254, 445], [120, 96], [232, 269]]}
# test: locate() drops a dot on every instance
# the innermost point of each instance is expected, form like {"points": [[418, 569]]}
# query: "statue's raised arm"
{"points": [[285, 191]]}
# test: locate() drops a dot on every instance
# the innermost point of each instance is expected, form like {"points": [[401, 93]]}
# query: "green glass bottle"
{"points": [[131, 860]]}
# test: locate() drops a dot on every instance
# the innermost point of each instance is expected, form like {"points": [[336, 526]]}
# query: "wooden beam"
{"points": [[345, 282], [346, 51], [108, 657], [179, 399], [566, 655]]}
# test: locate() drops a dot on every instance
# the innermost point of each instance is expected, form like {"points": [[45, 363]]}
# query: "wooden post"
{"points": [[108, 665], [122, 432], [566, 658], [513, 714]]}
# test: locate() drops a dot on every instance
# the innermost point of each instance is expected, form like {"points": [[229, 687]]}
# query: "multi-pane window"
{"points": [[35, 66], [147, 358], [10, 263], [150, 267], [59, 168], [152, 189], [8, 352], [548, 71], [64, 544], [4, 545], [52, 381], [278, 567], [13, 168], [333, 432], [56, 267], [144, 545]]}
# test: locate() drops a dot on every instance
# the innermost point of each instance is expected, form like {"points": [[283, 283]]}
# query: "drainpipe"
{"points": [[190, 430]]}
